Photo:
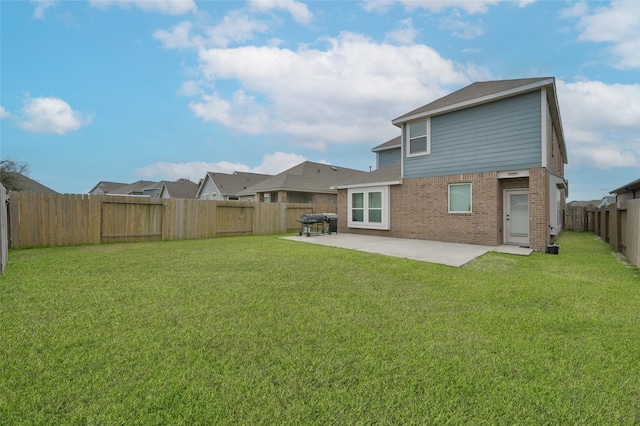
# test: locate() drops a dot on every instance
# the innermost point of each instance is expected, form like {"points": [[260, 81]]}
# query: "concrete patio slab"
{"points": [[452, 254]]}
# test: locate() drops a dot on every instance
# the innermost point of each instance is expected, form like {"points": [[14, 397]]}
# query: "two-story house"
{"points": [[482, 165]]}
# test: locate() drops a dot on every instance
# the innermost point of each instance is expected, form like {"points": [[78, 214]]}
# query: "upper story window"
{"points": [[419, 140]]}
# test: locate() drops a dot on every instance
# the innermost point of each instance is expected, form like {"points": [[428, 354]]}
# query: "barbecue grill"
{"points": [[313, 223]]}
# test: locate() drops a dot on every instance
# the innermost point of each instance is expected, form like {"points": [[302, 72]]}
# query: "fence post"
{"points": [[4, 229]]}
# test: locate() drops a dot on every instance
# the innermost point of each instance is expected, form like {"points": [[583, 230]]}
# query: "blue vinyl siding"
{"points": [[388, 157], [501, 135]]}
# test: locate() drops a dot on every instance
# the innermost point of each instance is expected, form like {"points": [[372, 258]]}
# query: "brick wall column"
{"points": [[538, 208]]}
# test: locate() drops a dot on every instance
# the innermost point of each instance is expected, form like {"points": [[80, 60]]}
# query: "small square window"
{"points": [[460, 198]]}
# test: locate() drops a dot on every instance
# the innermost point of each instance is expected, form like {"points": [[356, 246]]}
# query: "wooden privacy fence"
{"points": [[4, 230], [619, 226], [579, 218], [44, 220]]}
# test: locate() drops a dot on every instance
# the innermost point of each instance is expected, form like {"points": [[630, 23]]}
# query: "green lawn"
{"points": [[260, 330]]}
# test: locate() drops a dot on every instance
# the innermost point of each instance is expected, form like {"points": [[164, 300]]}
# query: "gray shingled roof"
{"points": [[29, 185], [306, 177], [475, 91], [183, 188], [390, 173], [235, 184], [132, 187], [393, 143], [106, 187]]}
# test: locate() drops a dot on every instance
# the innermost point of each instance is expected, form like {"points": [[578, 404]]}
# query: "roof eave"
{"points": [[368, 184], [475, 101], [631, 186], [376, 149], [311, 191]]}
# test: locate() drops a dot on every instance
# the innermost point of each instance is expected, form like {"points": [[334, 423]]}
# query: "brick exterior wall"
{"points": [[538, 208], [326, 199], [419, 209]]}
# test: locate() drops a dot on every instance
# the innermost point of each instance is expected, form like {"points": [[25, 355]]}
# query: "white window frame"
{"points": [[365, 224], [470, 198], [428, 136]]}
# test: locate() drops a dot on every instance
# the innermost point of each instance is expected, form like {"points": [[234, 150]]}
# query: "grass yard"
{"points": [[260, 330]]}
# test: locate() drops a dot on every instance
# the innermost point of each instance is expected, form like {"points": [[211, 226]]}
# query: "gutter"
{"points": [[369, 184]]}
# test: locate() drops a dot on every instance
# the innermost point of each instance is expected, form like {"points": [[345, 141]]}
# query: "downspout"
{"points": [[402, 138]]}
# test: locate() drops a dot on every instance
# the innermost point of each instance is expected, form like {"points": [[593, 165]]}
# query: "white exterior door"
{"points": [[516, 216]]}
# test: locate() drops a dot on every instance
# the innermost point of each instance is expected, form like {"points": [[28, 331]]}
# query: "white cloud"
{"points": [[51, 115], [405, 34], [576, 10], [168, 7], [4, 113], [461, 28], [378, 6], [179, 37], [236, 27], [271, 164], [298, 10], [348, 93], [193, 170], [241, 112], [437, 6], [41, 7], [278, 162], [601, 123], [617, 24], [190, 88], [453, 22]]}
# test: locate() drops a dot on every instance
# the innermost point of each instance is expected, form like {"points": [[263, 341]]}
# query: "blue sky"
{"points": [[158, 90]]}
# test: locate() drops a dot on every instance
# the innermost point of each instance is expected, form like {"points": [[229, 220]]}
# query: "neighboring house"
{"points": [[139, 188], [483, 165], [308, 182], [182, 188], [630, 191], [224, 186], [104, 187], [607, 200], [136, 188], [26, 184], [153, 190]]}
